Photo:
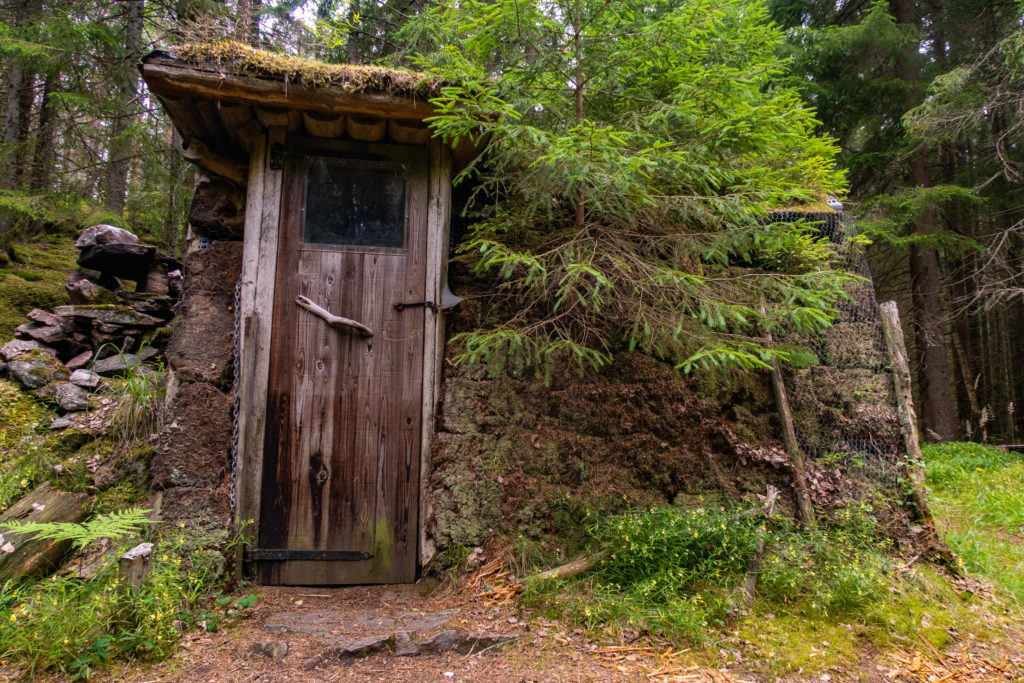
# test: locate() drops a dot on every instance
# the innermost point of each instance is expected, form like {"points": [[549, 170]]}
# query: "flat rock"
{"points": [[109, 315], [79, 361], [85, 292], [16, 347], [62, 423], [477, 642], [45, 317], [31, 374], [127, 261], [105, 234], [358, 646], [119, 363], [157, 305], [84, 378], [405, 646], [276, 649], [31, 557], [442, 641], [40, 332], [71, 398], [331, 622]]}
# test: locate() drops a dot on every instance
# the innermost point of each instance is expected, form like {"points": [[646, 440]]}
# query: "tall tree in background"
{"points": [[927, 203], [125, 104]]}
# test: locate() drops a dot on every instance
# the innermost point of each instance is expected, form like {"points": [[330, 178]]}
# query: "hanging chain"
{"points": [[234, 392]]}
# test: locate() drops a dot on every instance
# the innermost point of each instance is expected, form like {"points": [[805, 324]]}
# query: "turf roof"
{"points": [[240, 59]]}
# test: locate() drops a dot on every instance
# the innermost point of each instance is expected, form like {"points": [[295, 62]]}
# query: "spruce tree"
{"points": [[633, 153]]}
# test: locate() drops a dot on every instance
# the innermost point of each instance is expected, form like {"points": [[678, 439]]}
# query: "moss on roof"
{"points": [[243, 60]]}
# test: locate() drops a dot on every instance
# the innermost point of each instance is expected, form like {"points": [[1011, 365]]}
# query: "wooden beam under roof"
{"points": [[167, 77]]}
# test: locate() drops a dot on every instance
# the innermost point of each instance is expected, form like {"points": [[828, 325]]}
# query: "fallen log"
{"points": [[568, 570], [21, 556]]}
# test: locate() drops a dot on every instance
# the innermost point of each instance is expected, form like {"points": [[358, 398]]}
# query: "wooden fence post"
{"points": [[134, 566], [905, 409]]}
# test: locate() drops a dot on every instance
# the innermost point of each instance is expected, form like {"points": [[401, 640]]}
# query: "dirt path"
{"points": [[302, 634], [302, 618], [417, 633]]}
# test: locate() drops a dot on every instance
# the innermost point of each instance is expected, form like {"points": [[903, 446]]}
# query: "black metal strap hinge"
{"points": [[322, 555]]}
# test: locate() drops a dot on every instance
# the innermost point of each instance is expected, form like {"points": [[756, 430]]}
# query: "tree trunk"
{"points": [[352, 46], [18, 96], [171, 219], [120, 147], [42, 160], [939, 420]]}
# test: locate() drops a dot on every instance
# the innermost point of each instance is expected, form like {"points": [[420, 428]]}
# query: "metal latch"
{"points": [[277, 151], [428, 304]]}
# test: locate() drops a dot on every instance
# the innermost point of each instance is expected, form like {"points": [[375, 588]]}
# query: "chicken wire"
{"points": [[845, 409]]}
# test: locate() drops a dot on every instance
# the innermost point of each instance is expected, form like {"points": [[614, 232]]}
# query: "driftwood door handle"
{"points": [[330, 318]]}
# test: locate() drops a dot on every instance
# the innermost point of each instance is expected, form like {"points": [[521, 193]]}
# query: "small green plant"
{"points": [[139, 397], [115, 526], [24, 455], [678, 572], [72, 626]]}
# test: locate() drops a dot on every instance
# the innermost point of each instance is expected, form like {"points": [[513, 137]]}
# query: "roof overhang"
{"points": [[221, 108]]}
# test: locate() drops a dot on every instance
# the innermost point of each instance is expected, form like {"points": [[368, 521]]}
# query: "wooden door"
{"points": [[341, 456]]}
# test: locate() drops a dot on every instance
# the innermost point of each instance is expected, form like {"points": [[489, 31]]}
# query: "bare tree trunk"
{"points": [[46, 128], [933, 362], [352, 46], [18, 85], [121, 147], [939, 420], [171, 219]]}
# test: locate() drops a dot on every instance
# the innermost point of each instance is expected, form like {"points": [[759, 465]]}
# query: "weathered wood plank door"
{"points": [[341, 456]]}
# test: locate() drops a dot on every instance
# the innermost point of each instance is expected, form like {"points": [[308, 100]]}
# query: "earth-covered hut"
{"points": [[315, 293]]}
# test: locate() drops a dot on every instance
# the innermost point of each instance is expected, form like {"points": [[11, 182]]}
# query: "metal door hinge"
{"points": [[324, 555]]}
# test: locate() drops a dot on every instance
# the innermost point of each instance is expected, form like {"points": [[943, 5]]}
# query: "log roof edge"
{"points": [[232, 58], [222, 95]]}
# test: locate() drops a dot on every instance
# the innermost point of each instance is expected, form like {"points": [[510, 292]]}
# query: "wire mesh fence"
{"points": [[845, 411]]}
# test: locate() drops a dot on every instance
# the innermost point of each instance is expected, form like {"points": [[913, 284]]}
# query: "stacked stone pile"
{"points": [[109, 326]]}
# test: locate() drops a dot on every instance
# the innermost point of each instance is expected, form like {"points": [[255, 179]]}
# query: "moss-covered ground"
{"points": [[34, 278]]}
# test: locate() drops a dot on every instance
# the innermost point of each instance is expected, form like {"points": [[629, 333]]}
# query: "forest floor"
{"points": [[978, 622], [542, 650]]}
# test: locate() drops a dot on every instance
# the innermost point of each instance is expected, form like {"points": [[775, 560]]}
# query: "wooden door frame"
{"points": [[256, 315]]}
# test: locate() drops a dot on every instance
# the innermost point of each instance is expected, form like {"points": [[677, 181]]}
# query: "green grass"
{"points": [[825, 596], [977, 496], [677, 575]]}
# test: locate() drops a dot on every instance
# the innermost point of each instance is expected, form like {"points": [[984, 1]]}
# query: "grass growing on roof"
{"points": [[977, 495], [244, 60]]}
